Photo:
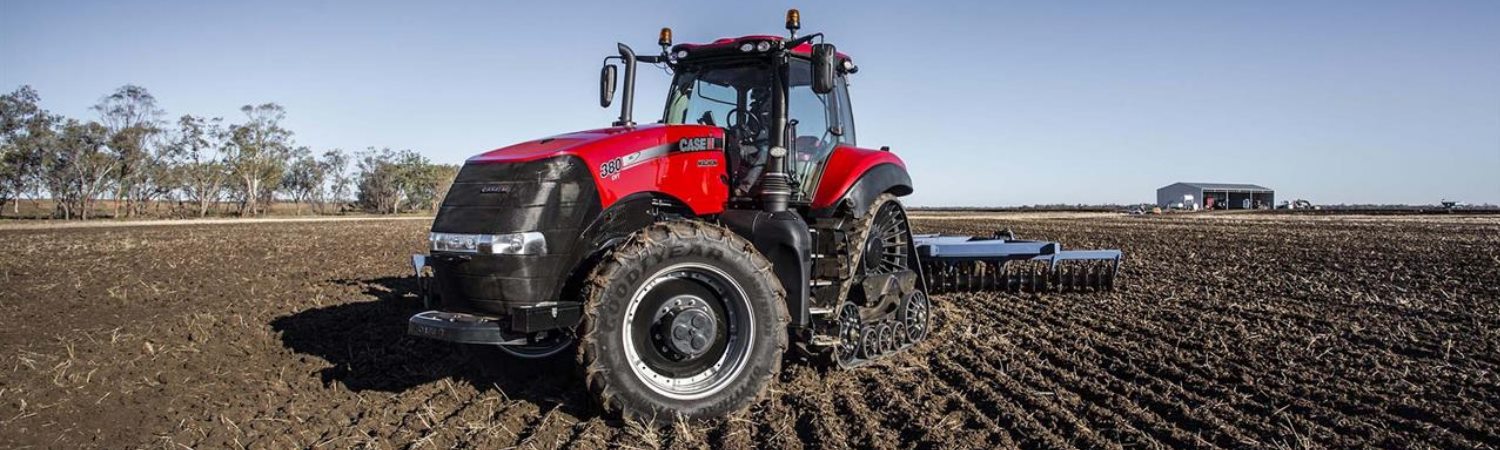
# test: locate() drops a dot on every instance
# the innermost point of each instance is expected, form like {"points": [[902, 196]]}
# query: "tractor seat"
{"points": [[807, 147]]}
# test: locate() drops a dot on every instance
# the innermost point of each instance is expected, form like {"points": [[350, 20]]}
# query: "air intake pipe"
{"points": [[775, 188]]}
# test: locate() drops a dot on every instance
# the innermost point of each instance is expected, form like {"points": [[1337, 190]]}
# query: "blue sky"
{"points": [[990, 103]]}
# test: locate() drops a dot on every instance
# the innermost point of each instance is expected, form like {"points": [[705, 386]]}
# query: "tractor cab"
{"points": [[781, 103], [731, 83]]}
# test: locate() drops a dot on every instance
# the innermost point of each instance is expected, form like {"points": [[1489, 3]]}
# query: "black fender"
{"points": [[629, 214], [611, 226], [879, 179], [785, 240]]}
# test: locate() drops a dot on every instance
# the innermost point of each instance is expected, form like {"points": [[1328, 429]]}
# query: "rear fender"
{"points": [[854, 177], [783, 238]]}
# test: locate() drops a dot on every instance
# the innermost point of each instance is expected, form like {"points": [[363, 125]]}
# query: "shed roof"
{"points": [[1227, 186]]}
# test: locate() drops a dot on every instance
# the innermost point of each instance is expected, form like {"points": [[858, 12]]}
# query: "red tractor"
{"points": [[683, 258]]}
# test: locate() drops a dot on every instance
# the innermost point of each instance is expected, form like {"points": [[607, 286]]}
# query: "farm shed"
{"points": [[1225, 196]]}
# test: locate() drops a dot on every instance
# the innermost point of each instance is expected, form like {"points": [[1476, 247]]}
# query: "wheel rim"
{"points": [[849, 333], [867, 343], [918, 311], [885, 338], [688, 331], [902, 334]]}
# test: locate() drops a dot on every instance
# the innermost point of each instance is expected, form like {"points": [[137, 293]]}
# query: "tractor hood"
{"points": [[559, 186], [683, 162], [599, 146]]}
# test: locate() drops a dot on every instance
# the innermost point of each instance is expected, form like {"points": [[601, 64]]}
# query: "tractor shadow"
{"points": [[367, 345]]}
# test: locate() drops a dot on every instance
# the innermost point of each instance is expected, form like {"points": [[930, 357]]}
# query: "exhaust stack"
{"points": [[627, 94]]}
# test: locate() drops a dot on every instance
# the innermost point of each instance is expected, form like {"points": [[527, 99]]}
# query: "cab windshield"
{"points": [[708, 95]]}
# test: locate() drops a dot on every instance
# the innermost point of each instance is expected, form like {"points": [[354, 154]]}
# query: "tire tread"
{"points": [[634, 252]]}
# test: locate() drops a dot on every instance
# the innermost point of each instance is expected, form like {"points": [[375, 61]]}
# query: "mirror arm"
{"points": [[802, 40]]}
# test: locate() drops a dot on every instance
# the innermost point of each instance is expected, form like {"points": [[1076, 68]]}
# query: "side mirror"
{"points": [[606, 85], [824, 58]]}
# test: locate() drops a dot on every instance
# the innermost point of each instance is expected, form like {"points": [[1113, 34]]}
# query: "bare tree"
{"points": [[195, 164], [304, 178], [335, 164], [77, 168], [385, 179], [132, 117], [24, 126], [394, 181], [378, 187], [436, 180], [256, 156], [200, 170]]}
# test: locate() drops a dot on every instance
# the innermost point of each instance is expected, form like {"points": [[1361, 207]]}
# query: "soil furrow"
{"points": [[1029, 432], [1117, 346], [1109, 350], [909, 420], [1143, 406], [1176, 383], [1057, 416]]}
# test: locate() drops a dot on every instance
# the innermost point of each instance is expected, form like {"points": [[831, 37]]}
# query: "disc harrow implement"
{"points": [[1003, 263]]}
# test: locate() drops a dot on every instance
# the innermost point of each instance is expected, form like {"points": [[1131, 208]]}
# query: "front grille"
{"points": [[555, 196]]}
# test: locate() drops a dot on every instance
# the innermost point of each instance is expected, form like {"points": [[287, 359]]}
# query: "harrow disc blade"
{"points": [[1020, 276]]}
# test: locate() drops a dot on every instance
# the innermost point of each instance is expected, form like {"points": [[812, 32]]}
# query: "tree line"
{"points": [[146, 165]]}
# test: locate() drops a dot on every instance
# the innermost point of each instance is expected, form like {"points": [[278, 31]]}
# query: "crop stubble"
{"points": [[1276, 332]]}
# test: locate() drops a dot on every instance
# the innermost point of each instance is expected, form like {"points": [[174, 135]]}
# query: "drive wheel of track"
{"points": [[884, 244], [685, 319]]}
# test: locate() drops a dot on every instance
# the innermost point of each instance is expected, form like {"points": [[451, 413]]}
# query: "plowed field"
{"points": [[1271, 331]]}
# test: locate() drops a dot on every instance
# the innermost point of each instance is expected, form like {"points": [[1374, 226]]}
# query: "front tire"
{"points": [[684, 319]]}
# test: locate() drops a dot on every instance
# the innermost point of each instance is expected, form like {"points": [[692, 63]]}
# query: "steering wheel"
{"points": [[752, 123]]}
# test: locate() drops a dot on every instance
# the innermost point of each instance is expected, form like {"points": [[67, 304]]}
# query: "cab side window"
{"points": [[814, 115], [822, 119]]}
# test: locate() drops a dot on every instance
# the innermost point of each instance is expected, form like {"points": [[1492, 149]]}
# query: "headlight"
{"points": [[528, 243], [748, 46], [763, 46]]}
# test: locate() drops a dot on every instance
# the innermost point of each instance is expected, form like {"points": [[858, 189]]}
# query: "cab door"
{"points": [[823, 122]]}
